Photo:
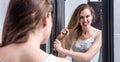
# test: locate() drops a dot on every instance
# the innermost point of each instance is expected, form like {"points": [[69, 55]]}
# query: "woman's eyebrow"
{"points": [[81, 16], [85, 16]]}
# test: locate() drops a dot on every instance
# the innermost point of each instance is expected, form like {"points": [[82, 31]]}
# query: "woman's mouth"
{"points": [[84, 23]]}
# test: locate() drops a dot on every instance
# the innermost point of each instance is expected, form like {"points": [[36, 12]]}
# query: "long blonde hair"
{"points": [[74, 25]]}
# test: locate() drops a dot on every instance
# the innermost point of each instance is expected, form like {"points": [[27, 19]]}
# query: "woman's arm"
{"points": [[83, 56], [63, 38]]}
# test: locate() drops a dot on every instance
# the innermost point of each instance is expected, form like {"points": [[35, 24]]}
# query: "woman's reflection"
{"points": [[84, 39]]}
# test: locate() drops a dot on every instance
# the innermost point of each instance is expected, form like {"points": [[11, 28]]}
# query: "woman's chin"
{"points": [[85, 26]]}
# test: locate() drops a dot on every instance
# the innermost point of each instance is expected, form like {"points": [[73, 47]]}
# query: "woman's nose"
{"points": [[85, 19]]}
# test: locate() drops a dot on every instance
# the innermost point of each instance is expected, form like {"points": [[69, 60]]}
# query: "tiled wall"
{"points": [[116, 31]]}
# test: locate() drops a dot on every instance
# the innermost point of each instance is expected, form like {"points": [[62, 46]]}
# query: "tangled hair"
{"points": [[23, 17], [74, 26]]}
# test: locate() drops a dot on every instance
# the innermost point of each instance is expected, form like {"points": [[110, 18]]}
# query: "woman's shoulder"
{"points": [[98, 34], [3, 51], [98, 31]]}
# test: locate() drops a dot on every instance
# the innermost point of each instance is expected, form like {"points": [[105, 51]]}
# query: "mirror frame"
{"points": [[108, 31]]}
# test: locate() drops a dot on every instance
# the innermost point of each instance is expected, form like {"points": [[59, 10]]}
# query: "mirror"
{"points": [[64, 14], [71, 5]]}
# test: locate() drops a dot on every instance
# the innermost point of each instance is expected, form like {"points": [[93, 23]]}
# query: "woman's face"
{"points": [[85, 18]]}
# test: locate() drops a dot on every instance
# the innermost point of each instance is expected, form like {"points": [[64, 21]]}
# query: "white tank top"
{"points": [[51, 58], [1, 60], [83, 45]]}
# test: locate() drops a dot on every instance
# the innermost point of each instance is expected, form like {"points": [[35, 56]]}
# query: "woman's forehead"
{"points": [[85, 12]]}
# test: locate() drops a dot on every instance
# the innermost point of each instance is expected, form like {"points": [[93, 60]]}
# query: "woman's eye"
{"points": [[81, 17], [87, 16]]}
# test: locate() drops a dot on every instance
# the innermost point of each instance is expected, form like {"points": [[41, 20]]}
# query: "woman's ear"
{"points": [[44, 21]]}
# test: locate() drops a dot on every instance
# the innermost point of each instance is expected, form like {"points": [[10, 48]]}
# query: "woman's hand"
{"points": [[57, 45], [64, 31]]}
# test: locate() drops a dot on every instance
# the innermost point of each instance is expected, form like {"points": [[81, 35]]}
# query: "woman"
{"points": [[84, 39], [27, 25]]}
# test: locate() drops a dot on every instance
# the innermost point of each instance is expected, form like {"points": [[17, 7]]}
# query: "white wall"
{"points": [[3, 9], [116, 30]]}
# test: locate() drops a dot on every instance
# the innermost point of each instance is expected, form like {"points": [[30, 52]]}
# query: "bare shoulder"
{"points": [[99, 33], [99, 36], [2, 50], [64, 60], [100, 30]]}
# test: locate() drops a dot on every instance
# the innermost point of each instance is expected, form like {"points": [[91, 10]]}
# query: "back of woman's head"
{"points": [[23, 17]]}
